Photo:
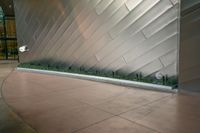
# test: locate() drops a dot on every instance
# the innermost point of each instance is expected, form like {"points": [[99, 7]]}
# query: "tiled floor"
{"points": [[53, 104], [10, 122]]}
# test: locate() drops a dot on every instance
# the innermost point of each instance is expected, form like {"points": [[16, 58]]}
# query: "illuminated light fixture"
{"points": [[10, 6], [23, 48]]}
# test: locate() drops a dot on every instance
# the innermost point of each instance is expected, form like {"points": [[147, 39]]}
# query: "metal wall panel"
{"points": [[133, 16], [189, 63], [117, 35], [149, 18], [103, 5], [150, 68], [169, 70], [131, 4], [168, 58], [168, 17], [152, 54], [120, 50], [153, 41]]}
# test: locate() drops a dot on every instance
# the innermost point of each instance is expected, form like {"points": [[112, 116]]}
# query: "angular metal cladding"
{"points": [[130, 35], [189, 63]]}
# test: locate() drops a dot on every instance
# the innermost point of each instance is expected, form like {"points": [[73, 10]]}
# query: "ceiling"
{"points": [[7, 6]]}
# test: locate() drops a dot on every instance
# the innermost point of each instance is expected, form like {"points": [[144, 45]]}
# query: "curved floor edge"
{"points": [[10, 121]]}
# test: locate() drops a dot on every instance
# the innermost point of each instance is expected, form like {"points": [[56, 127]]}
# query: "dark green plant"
{"points": [[46, 65]]}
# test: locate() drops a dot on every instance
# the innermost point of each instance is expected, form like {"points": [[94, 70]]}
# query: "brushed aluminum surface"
{"points": [[117, 35]]}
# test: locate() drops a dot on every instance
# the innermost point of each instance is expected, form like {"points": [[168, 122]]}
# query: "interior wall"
{"points": [[189, 46], [118, 35]]}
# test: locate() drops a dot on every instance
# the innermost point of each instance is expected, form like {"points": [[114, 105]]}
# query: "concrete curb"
{"points": [[121, 82]]}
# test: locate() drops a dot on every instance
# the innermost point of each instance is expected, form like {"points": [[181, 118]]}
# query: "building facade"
{"points": [[148, 37]]}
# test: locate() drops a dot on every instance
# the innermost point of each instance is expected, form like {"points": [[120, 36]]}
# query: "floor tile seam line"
{"points": [[113, 97], [140, 124], [100, 109], [63, 77], [95, 82], [19, 116], [23, 121], [132, 109], [70, 88], [93, 124], [154, 101], [97, 108], [3, 98], [3, 82], [135, 108], [50, 93], [25, 96], [107, 100], [118, 95]]}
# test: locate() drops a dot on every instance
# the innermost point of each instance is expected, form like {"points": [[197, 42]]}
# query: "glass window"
{"points": [[8, 41], [2, 50], [10, 28]]}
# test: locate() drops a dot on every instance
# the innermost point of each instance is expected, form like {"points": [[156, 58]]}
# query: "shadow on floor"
{"points": [[9, 121]]}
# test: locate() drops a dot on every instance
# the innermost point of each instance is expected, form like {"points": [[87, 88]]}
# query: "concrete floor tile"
{"points": [[96, 94], [49, 83], [9, 121], [53, 104], [167, 116], [133, 98], [66, 120], [117, 125]]}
